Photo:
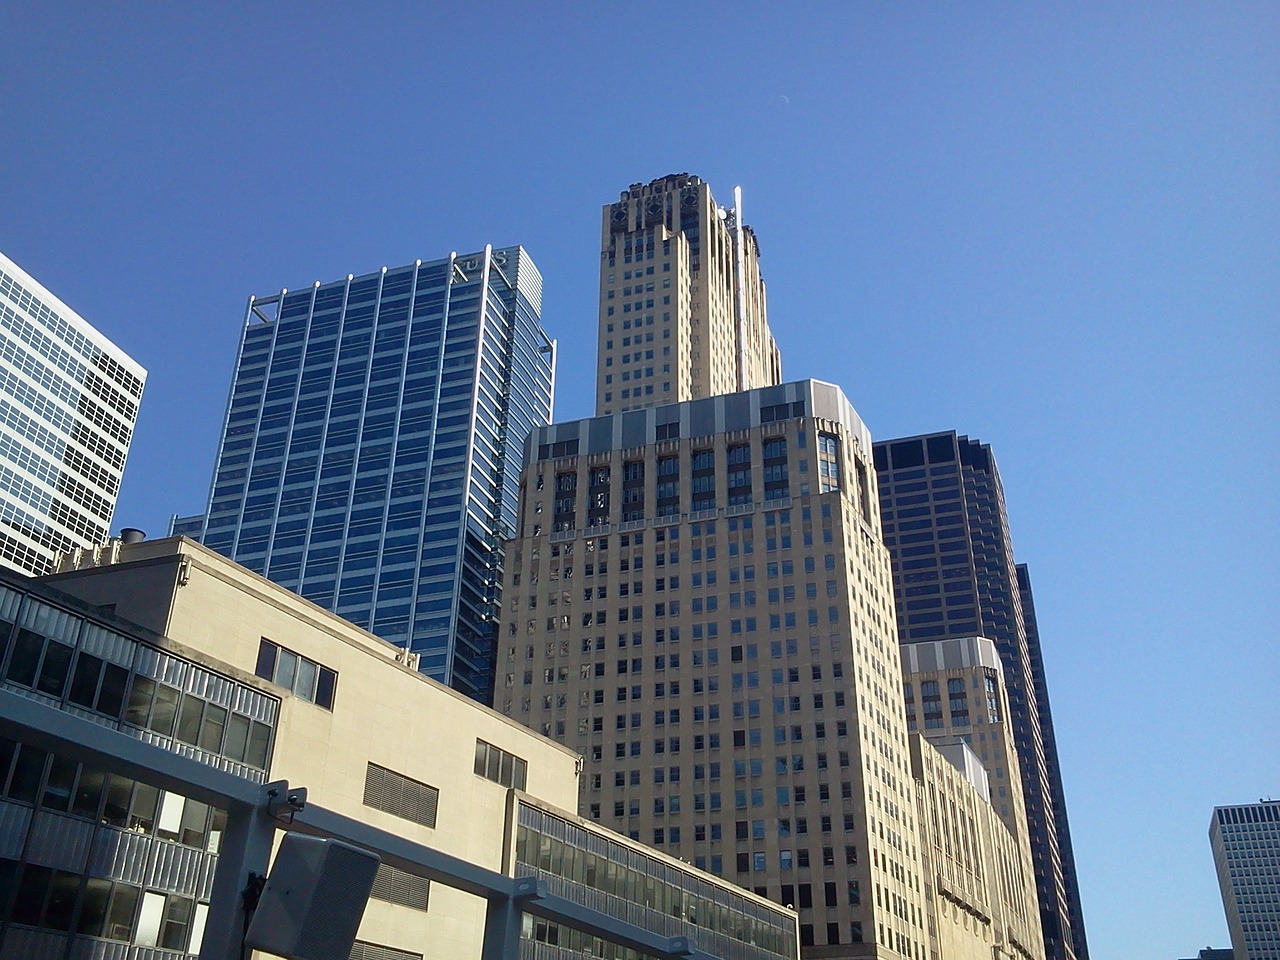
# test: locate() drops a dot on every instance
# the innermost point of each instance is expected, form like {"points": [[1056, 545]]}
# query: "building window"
{"points": [[164, 921], [160, 708], [494, 763], [828, 462], [306, 678]]}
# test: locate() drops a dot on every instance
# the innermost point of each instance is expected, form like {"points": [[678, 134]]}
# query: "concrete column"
{"points": [[502, 921], [246, 849]]}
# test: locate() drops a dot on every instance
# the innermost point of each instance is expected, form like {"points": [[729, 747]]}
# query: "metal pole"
{"points": [[502, 922]]}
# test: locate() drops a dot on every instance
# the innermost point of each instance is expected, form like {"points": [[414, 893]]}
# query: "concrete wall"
{"points": [[383, 712]]}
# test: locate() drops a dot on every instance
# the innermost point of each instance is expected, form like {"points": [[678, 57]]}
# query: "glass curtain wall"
{"points": [[373, 440]]}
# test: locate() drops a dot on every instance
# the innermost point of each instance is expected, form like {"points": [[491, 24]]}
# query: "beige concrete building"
{"points": [[371, 738], [682, 302], [956, 697], [956, 688], [979, 873], [699, 602]]}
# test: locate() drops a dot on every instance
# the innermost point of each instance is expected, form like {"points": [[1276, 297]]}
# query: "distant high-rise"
{"points": [[1246, 853], [943, 509], [682, 303], [374, 436], [68, 405], [1056, 798]]}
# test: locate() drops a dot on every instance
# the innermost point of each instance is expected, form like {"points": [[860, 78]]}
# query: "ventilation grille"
{"points": [[397, 794], [361, 950], [396, 886]]}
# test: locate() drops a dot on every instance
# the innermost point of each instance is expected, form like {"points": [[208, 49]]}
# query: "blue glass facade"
{"points": [[373, 442], [68, 404], [192, 527]]}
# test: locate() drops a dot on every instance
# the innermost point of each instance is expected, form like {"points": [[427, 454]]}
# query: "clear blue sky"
{"points": [[1050, 226]]}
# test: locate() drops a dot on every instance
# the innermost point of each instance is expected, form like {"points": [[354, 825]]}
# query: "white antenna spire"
{"points": [[739, 289]]}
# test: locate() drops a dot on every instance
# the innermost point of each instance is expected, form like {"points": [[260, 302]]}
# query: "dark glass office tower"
{"points": [[373, 442], [1057, 799], [943, 510]]}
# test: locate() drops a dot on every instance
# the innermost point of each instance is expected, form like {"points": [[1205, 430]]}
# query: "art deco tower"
{"points": [[699, 601], [682, 303]]}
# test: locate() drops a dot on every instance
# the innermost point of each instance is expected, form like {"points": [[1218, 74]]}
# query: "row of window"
{"points": [[756, 767], [663, 806], [700, 684], [747, 572], [74, 391], [703, 741], [1265, 813], [697, 529], [91, 906], [59, 447], [773, 450], [494, 763], [32, 776], [711, 656], [49, 348], [52, 472], [47, 507], [671, 608], [626, 877], [38, 401], [21, 556], [784, 828], [741, 709], [305, 678], [68, 335], [81, 679], [788, 859]]}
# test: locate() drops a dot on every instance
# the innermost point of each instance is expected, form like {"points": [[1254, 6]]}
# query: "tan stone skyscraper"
{"points": [[682, 302], [698, 601]]}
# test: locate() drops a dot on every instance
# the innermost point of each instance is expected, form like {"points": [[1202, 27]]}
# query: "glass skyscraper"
{"points": [[68, 404], [373, 441], [943, 509]]}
